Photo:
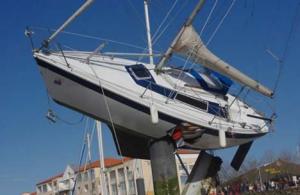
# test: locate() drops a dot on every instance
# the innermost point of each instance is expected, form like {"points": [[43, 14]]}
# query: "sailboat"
{"points": [[143, 101]]}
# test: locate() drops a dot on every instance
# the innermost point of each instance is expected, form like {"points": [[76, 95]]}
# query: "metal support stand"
{"points": [[203, 174], [163, 164]]}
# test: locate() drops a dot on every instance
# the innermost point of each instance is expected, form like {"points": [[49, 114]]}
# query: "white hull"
{"points": [[131, 114]]}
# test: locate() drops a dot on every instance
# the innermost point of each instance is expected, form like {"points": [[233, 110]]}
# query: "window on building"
{"points": [[44, 188], [55, 185], [79, 177], [39, 189], [92, 174], [182, 175], [86, 176], [66, 182], [122, 184], [183, 179], [49, 187], [131, 184], [114, 189], [86, 187], [113, 183], [93, 187], [107, 183], [113, 177]]}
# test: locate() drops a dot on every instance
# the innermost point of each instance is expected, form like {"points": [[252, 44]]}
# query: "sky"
{"points": [[33, 149]]}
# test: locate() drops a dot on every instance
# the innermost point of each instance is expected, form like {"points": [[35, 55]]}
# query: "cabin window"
{"points": [[191, 101], [140, 72], [216, 109], [210, 107]]}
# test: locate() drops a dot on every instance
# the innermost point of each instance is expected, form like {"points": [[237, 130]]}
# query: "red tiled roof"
{"points": [[186, 151], [109, 162], [50, 179], [29, 193]]}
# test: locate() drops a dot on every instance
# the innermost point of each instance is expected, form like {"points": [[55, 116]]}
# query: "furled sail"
{"points": [[191, 46]]}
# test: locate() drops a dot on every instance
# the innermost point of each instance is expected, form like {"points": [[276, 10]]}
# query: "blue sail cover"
{"points": [[222, 83], [226, 82]]}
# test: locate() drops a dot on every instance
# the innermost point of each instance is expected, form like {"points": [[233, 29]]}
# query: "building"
{"points": [[122, 176], [279, 175], [29, 193]]}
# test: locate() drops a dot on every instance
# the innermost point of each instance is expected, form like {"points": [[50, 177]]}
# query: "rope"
{"points": [[109, 113], [222, 20], [111, 121], [70, 123], [182, 164]]}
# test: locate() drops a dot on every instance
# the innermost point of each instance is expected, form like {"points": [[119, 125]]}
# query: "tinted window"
{"points": [[217, 110], [140, 72], [191, 101]]}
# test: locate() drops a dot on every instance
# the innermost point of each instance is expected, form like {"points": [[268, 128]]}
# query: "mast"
{"points": [[148, 32], [101, 160], [188, 22], [68, 21], [88, 140]]}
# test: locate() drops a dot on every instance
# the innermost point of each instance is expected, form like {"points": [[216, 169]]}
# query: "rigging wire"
{"points": [[92, 37], [101, 39], [217, 12], [286, 48], [209, 16], [169, 23], [179, 76], [212, 36], [136, 12], [164, 20], [192, 50], [221, 22]]}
